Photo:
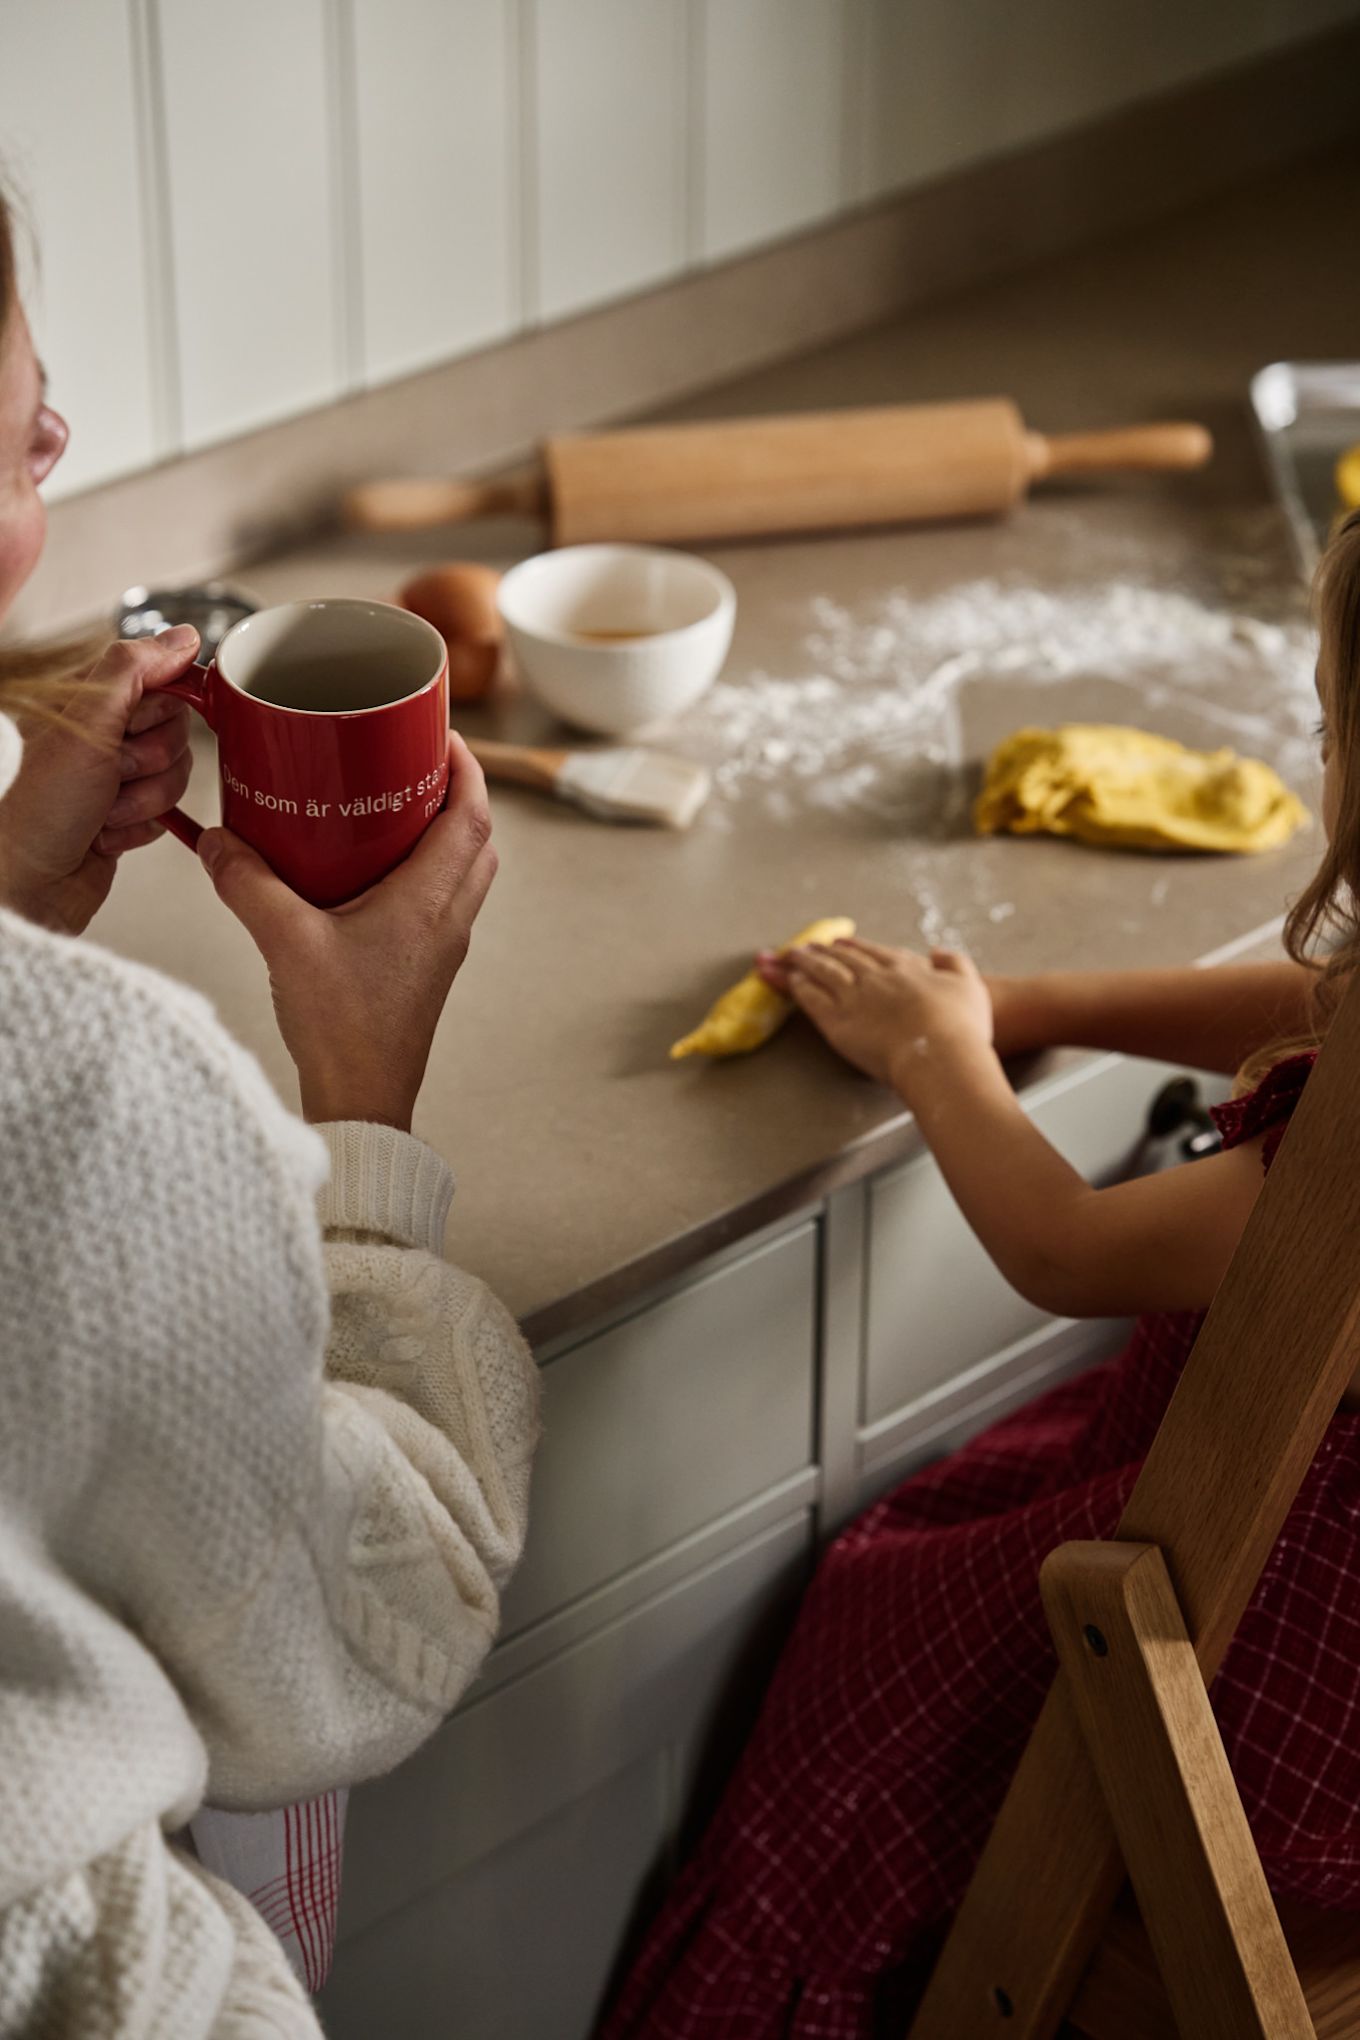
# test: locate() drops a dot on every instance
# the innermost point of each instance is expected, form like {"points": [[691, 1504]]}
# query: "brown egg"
{"points": [[460, 601]]}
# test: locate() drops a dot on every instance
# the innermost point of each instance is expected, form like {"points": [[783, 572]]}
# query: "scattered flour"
{"points": [[872, 721]]}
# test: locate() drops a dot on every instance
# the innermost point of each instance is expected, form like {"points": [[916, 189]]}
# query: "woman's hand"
{"points": [[885, 1010], [358, 989], [93, 781]]}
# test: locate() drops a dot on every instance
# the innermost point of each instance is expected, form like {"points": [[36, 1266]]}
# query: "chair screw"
{"points": [[1095, 1641]]}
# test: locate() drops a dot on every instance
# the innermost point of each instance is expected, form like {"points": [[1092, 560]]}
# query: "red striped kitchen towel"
{"points": [[287, 1863]]}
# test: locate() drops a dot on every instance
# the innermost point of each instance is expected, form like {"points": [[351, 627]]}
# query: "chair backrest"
{"points": [[1273, 1358], [1277, 1349]]}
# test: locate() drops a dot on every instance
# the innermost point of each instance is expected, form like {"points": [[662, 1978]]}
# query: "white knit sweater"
{"points": [[257, 1492]]}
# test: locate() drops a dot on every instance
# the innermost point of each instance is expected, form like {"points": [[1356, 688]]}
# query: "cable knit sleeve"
{"points": [[429, 1413], [300, 1471], [433, 1363]]}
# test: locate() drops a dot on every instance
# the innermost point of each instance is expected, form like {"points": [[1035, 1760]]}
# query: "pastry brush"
{"points": [[623, 785]]}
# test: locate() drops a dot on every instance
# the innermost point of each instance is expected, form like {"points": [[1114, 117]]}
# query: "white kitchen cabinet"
{"points": [[770, 119], [435, 108], [72, 139], [520, 1945], [678, 1415], [937, 1306], [948, 1343], [605, 138], [252, 146], [490, 1881]]}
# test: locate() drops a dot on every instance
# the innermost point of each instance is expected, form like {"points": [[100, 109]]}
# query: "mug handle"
{"points": [[196, 688]]}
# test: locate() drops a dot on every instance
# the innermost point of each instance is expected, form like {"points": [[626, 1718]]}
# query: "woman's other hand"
{"points": [[358, 989], [94, 780], [885, 1010]]}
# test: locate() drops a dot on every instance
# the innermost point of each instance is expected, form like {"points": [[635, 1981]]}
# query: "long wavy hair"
{"points": [[35, 679], [1326, 914], [1322, 928]]}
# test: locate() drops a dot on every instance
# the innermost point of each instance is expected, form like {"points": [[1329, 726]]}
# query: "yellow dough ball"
{"points": [[1348, 477], [1135, 791], [748, 1013]]}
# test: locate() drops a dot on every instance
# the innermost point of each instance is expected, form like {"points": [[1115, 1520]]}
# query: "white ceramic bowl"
{"points": [[682, 608]]}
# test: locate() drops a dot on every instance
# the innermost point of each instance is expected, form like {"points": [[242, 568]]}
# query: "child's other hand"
{"points": [[884, 1009]]}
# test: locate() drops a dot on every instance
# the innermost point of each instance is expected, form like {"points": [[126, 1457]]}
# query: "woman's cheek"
{"points": [[23, 527]]}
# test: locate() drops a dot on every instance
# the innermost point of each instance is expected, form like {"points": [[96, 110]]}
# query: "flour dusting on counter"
{"points": [[872, 722]]}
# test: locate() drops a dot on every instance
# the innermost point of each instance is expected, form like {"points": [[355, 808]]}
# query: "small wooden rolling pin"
{"points": [[822, 471]]}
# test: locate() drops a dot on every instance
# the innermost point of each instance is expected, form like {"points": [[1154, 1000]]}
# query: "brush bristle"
{"points": [[636, 786]]}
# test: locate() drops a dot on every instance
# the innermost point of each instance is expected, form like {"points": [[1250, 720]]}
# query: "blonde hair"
{"points": [[1322, 929], [35, 680]]}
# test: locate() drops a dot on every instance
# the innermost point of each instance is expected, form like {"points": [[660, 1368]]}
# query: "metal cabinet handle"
{"points": [[1179, 1108]]}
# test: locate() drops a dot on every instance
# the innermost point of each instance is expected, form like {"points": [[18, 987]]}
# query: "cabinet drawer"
{"points": [[520, 1945], [936, 1305], [657, 1426], [647, 1689]]}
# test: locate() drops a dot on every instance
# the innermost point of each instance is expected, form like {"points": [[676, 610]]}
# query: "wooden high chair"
{"points": [[1125, 1773]]}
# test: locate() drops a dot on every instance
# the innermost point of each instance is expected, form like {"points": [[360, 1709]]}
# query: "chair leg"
{"points": [[1150, 1731], [1039, 1897]]}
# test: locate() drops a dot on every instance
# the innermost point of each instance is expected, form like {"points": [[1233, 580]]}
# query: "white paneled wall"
{"points": [[950, 82], [70, 147], [253, 198], [245, 210], [769, 119], [436, 172], [606, 115]]}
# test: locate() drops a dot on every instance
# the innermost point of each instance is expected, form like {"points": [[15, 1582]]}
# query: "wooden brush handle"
{"points": [[418, 502], [518, 762], [1175, 446]]}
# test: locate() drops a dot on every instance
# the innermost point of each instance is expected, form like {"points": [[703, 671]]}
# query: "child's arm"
{"points": [[1212, 1019], [1161, 1242]]}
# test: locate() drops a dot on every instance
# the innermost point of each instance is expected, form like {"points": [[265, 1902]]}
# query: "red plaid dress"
{"points": [[914, 1675]]}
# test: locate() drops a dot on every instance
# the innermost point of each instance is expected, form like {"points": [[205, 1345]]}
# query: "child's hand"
{"points": [[884, 1009]]}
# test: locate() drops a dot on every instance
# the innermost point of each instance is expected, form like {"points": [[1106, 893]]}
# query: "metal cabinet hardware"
{"points": [[1178, 1108]]}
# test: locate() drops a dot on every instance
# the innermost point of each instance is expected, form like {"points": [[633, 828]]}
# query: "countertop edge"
{"points": [[628, 1288]]}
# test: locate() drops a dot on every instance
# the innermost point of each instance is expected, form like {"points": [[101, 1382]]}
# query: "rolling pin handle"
{"points": [[1152, 447], [415, 503]]}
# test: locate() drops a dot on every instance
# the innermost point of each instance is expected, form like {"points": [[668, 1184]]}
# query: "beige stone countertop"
{"points": [[869, 677]]}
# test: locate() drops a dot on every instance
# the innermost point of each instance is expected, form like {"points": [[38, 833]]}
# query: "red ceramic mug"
{"points": [[332, 724]]}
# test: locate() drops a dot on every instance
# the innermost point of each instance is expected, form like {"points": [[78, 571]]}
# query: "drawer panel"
{"points": [[662, 1423], [936, 1305], [650, 1685], [454, 1962]]}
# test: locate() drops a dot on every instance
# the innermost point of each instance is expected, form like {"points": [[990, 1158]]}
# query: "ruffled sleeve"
{"points": [[1269, 1108]]}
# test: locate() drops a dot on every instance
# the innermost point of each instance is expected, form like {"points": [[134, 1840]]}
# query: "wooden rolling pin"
{"points": [[822, 471]]}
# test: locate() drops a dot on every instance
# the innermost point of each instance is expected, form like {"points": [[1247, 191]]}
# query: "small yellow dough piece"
{"points": [[748, 1013], [1348, 477], [1105, 784]]}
